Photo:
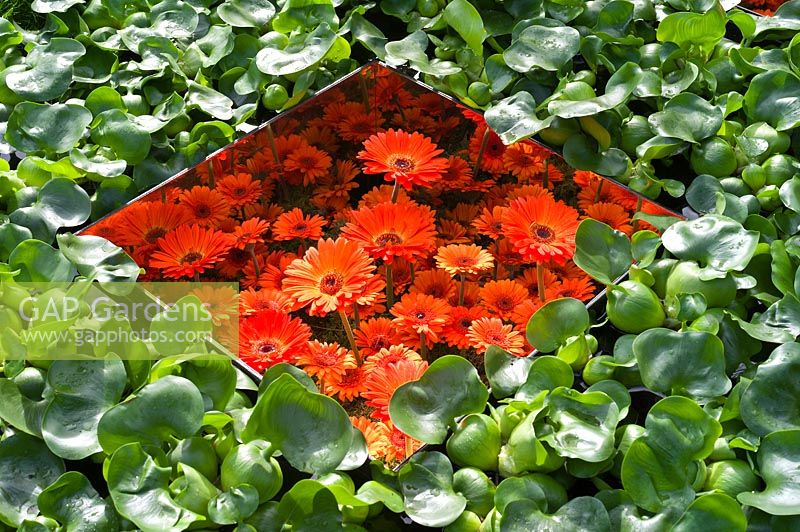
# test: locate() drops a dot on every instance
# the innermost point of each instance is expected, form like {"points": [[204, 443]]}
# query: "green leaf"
{"points": [[682, 363], [783, 272], [772, 400], [505, 372], [772, 97], [172, 330], [790, 194], [116, 130], [98, 160], [10, 236], [139, 488], [713, 240], [72, 501], [234, 505], [310, 429], [584, 424], [557, 321], [581, 513], [694, 29], [39, 263], [309, 505], [50, 70], [687, 117], [779, 465], [82, 391], [373, 491], [50, 6], [19, 411], [602, 252], [713, 512], [59, 203], [583, 154], [514, 118], [427, 486], [246, 13], [149, 416], [449, 388], [26, 468], [466, 20], [66, 124], [542, 47], [97, 258], [209, 101], [301, 53], [619, 87], [250, 463], [547, 373]]}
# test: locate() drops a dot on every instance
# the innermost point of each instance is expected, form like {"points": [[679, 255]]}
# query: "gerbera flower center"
{"points": [[154, 234], [504, 303], [239, 191], [388, 238], [203, 211], [327, 357], [420, 315], [331, 283], [192, 256], [495, 338], [465, 261], [308, 162], [542, 232], [466, 323], [300, 227], [266, 348], [379, 342], [402, 163]]}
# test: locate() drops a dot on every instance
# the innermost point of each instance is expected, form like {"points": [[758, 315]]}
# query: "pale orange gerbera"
{"points": [[580, 288], [409, 159], [240, 189], [376, 434], [541, 229], [330, 276], [436, 283], [610, 214], [523, 312], [459, 322], [375, 334], [253, 301], [220, 301], [492, 331], [250, 232], [524, 160], [383, 381], [270, 337], [309, 162], [500, 297], [420, 316], [294, 224], [391, 230], [146, 222], [457, 175], [351, 384], [189, 250], [491, 156], [208, 206], [460, 259], [390, 355], [490, 223], [327, 362]]}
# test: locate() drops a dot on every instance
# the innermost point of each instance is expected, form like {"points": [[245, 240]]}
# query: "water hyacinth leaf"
{"points": [[602, 252], [687, 117], [520, 488], [682, 363], [771, 402], [209, 49], [790, 194], [26, 468], [97, 258], [273, 372], [309, 505], [40, 262], [72, 501], [10, 236], [246, 13], [680, 430], [713, 240], [59, 203], [310, 429], [301, 53], [771, 97], [449, 388], [466, 20], [581, 513], [505, 372], [779, 465], [618, 89], [186, 319], [139, 488], [50, 70], [9, 36], [543, 47], [514, 118], [410, 48], [95, 160], [19, 411], [116, 130], [546, 373], [234, 505], [555, 322], [582, 153], [652, 482], [584, 424], [66, 124], [372, 491], [713, 512], [209, 101], [82, 391], [428, 493], [174, 19], [694, 29], [783, 316], [149, 415]]}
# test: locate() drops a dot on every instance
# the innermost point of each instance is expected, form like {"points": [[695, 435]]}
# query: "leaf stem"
{"points": [[484, 143], [540, 280], [495, 45], [389, 286], [350, 338], [461, 291]]}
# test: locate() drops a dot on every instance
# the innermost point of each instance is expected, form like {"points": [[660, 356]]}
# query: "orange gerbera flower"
{"points": [[375, 334], [436, 283], [500, 297], [294, 224], [460, 259], [420, 315], [309, 162], [541, 229], [451, 232], [253, 301], [409, 159], [416, 120], [322, 137], [581, 289], [463, 213], [376, 434], [491, 331], [190, 249], [390, 230], [458, 324], [348, 386], [524, 160], [270, 337], [209, 207], [240, 189], [610, 214], [490, 223], [523, 312], [390, 355], [525, 191], [582, 178], [400, 444], [146, 222], [588, 195], [250, 232], [529, 279], [220, 301], [330, 276], [383, 381], [568, 270], [493, 150], [356, 126], [333, 190], [382, 194], [457, 175], [328, 362]]}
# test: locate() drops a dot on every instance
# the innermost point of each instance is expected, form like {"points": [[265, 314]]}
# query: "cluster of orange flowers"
{"points": [[765, 7], [454, 252]]}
